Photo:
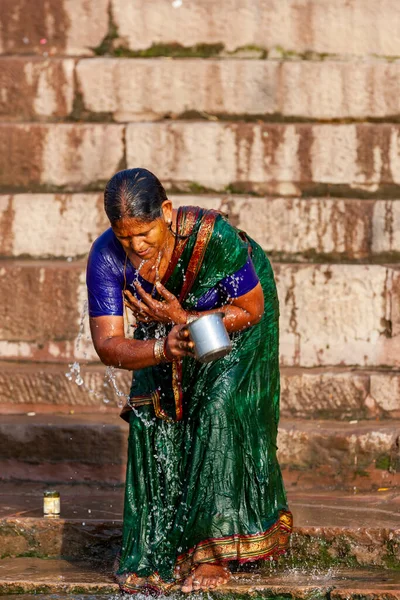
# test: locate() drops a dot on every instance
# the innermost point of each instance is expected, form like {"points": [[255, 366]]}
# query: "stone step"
{"points": [[27, 576], [262, 158], [289, 229], [92, 447], [36, 88], [75, 27], [312, 26], [354, 308], [155, 89], [330, 528], [342, 394]]}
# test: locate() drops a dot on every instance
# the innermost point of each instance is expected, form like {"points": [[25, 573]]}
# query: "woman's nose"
{"points": [[138, 245]]}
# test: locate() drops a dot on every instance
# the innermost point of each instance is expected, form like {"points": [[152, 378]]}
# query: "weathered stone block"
{"points": [[386, 227], [92, 440], [342, 27], [140, 89], [339, 315], [332, 446], [269, 158], [52, 26], [325, 394], [59, 155], [35, 88], [385, 391], [309, 227], [38, 386], [338, 90], [50, 225], [39, 302]]}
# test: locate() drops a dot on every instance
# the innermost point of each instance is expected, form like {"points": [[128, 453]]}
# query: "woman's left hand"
{"points": [[149, 309]]}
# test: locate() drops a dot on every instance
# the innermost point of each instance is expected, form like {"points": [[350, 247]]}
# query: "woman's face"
{"points": [[144, 238]]}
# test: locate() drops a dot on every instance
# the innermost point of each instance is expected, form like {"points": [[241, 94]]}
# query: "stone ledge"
{"points": [[343, 27], [331, 528], [289, 229], [344, 394], [354, 308], [35, 576], [319, 546], [268, 158], [262, 158], [124, 90], [153, 89], [78, 448]]}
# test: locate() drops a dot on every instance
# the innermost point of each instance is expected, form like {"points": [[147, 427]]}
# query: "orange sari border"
{"points": [[184, 225], [196, 260], [186, 222], [241, 548]]}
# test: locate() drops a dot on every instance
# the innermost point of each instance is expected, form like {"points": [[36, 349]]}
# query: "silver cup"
{"points": [[211, 340]]}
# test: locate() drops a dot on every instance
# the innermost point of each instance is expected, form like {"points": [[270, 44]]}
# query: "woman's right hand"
{"points": [[178, 342]]}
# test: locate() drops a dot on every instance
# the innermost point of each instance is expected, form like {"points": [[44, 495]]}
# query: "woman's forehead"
{"points": [[128, 226]]}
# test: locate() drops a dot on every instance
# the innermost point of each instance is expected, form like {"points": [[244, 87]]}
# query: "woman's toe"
{"points": [[197, 583], [187, 585], [205, 583]]}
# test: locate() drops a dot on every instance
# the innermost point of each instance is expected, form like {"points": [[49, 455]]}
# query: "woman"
{"points": [[203, 486]]}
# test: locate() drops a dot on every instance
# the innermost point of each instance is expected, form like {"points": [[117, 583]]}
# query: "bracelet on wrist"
{"points": [[159, 353]]}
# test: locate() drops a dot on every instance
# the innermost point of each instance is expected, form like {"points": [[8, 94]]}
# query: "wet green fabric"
{"points": [[214, 473]]}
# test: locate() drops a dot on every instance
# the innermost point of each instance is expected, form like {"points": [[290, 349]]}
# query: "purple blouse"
{"points": [[105, 280]]}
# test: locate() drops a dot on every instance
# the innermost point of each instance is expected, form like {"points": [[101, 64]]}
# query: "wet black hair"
{"points": [[134, 193]]}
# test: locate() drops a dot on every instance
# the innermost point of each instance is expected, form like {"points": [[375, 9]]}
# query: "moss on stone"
{"points": [[383, 462], [106, 46], [110, 48], [259, 52], [197, 188]]}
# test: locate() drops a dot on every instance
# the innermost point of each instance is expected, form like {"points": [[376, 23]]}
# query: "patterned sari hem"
{"points": [[240, 548], [269, 544]]}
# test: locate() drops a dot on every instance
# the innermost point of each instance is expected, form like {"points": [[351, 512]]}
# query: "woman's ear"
{"points": [[166, 207]]}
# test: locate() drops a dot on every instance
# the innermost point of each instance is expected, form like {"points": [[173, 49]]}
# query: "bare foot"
{"points": [[206, 576]]}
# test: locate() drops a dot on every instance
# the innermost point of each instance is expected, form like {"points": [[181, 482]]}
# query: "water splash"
{"points": [[76, 375]]}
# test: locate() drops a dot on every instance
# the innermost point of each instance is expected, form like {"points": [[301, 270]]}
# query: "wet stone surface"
{"points": [[93, 502], [34, 576], [331, 528]]}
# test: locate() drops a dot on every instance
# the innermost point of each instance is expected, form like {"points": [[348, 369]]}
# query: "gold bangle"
{"points": [[159, 350]]}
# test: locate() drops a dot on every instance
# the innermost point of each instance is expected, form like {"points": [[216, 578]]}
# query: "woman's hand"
{"points": [[178, 343], [148, 309]]}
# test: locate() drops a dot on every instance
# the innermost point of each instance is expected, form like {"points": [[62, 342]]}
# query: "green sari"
{"points": [[203, 483]]}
